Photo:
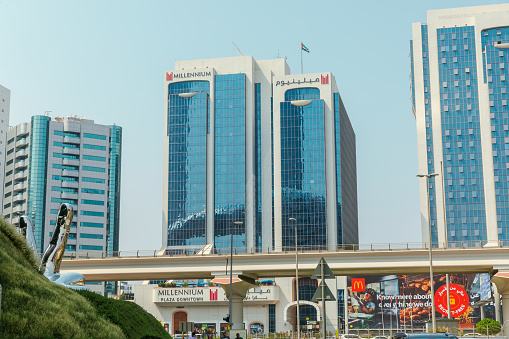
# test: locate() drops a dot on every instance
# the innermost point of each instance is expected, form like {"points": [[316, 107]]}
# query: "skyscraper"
{"points": [[5, 104], [459, 62], [246, 141], [65, 160]]}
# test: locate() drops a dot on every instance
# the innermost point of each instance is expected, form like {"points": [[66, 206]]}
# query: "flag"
{"points": [[304, 48]]}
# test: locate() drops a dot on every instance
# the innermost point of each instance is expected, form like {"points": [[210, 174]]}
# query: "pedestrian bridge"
{"points": [[348, 260]]}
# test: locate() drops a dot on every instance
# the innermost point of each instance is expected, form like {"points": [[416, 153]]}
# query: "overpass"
{"points": [[156, 266]]}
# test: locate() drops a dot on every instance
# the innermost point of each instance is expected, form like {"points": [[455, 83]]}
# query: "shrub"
{"points": [[490, 325]]}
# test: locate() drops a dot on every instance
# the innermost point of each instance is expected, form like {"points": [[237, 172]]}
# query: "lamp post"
{"points": [[236, 223], [433, 318], [296, 275]]}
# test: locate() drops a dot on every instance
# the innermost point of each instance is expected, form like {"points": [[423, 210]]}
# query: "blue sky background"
{"points": [[105, 60]]}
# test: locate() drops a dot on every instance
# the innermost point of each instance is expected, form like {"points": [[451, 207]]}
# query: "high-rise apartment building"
{"points": [[247, 141], [5, 104], [65, 160], [459, 74]]}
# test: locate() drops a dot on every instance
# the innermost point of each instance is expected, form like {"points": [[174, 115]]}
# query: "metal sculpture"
{"points": [[54, 253]]}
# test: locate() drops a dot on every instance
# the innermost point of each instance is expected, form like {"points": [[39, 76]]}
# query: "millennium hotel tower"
{"points": [[246, 141], [460, 77]]}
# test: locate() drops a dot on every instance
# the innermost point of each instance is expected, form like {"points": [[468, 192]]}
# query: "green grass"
{"points": [[134, 321], [34, 307]]}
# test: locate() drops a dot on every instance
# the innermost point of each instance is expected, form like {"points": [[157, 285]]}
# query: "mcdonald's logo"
{"points": [[358, 285], [324, 79], [213, 294], [169, 77]]}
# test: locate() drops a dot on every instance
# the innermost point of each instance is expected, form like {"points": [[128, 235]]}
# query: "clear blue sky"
{"points": [[106, 60]]}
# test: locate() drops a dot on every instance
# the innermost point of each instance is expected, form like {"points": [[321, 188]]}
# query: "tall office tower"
{"points": [[5, 103], [65, 160], [459, 63], [246, 141]]}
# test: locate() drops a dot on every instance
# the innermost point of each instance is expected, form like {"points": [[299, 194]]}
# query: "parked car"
{"points": [[350, 336], [401, 335], [380, 337], [472, 334]]}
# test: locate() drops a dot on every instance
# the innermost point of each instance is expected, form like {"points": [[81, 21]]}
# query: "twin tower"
{"points": [[253, 154]]}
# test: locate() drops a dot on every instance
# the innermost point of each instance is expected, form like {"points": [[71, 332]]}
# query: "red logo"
{"points": [[213, 294], [169, 77], [459, 300], [358, 284], [325, 79]]}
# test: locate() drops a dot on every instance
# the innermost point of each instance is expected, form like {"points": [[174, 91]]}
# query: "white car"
{"points": [[350, 336]]}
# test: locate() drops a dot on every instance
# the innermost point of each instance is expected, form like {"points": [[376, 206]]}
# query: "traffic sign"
{"points": [[327, 272], [327, 293]]}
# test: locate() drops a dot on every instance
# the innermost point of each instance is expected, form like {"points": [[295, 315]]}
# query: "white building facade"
{"points": [[246, 141], [459, 73], [5, 106]]}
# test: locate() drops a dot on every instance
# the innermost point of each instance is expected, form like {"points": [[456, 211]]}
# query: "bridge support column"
{"points": [[501, 281], [240, 285]]}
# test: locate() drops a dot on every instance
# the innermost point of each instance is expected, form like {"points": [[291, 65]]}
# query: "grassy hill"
{"points": [[34, 307]]}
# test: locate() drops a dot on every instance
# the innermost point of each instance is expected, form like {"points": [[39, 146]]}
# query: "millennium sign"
{"points": [[171, 76]]}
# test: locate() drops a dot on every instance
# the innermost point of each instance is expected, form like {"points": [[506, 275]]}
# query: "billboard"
{"points": [[404, 301]]}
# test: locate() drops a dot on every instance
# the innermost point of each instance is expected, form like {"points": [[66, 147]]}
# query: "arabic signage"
{"points": [[459, 300], [402, 301], [211, 294], [485, 286], [323, 80]]}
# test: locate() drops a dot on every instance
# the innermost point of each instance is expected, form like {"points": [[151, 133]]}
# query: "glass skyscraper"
{"points": [[247, 142], [459, 63]]}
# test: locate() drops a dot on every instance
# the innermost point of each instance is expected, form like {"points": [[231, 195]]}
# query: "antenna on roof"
{"points": [[46, 113], [237, 49]]}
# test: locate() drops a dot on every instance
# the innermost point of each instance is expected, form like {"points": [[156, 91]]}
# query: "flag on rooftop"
{"points": [[304, 48]]}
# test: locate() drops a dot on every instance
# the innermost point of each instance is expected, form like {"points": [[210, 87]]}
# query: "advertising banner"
{"points": [[404, 301]]}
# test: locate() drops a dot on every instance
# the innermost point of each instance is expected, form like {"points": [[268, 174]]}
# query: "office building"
{"points": [[459, 74], [5, 104], [65, 160], [247, 141]]}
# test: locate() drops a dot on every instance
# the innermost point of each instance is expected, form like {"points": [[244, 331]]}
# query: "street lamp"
{"points": [[433, 318], [236, 223], [296, 274]]}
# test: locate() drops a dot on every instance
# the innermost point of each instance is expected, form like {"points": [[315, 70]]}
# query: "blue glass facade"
{"points": [[187, 120], [461, 138], [258, 165], [230, 160], [496, 62], [114, 187], [303, 169], [37, 176]]}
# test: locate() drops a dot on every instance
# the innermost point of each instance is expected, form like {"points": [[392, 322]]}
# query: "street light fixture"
{"points": [[296, 275], [236, 223], [433, 318]]}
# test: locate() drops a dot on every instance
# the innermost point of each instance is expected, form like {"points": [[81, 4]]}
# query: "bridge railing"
{"points": [[198, 251]]}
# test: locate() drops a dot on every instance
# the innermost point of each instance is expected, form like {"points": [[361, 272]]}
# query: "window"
{"points": [[8, 173], [96, 180], [63, 144], [65, 167], [64, 201], [91, 224], [68, 179], [91, 247], [93, 169], [7, 205], [93, 213], [94, 136], [64, 189], [91, 236], [66, 156], [100, 148], [91, 157], [92, 202], [67, 134], [11, 140], [467, 70], [10, 151], [91, 191]]}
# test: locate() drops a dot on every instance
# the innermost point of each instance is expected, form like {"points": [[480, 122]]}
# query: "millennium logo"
{"points": [[213, 295], [169, 77], [324, 79]]}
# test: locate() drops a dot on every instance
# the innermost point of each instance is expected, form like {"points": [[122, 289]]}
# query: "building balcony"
{"points": [[18, 209], [66, 195], [20, 164], [71, 162], [21, 143], [69, 140], [70, 184], [19, 187], [67, 173], [68, 150], [18, 197], [19, 176], [21, 153]]}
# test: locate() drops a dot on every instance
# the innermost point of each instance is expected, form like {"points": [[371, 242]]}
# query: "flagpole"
{"points": [[301, 65]]}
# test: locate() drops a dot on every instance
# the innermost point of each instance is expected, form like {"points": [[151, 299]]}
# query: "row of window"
{"points": [[74, 146], [76, 168], [77, 135]]}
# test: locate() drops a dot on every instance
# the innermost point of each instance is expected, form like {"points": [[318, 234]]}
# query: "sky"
{"points": [[106, 60]]}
